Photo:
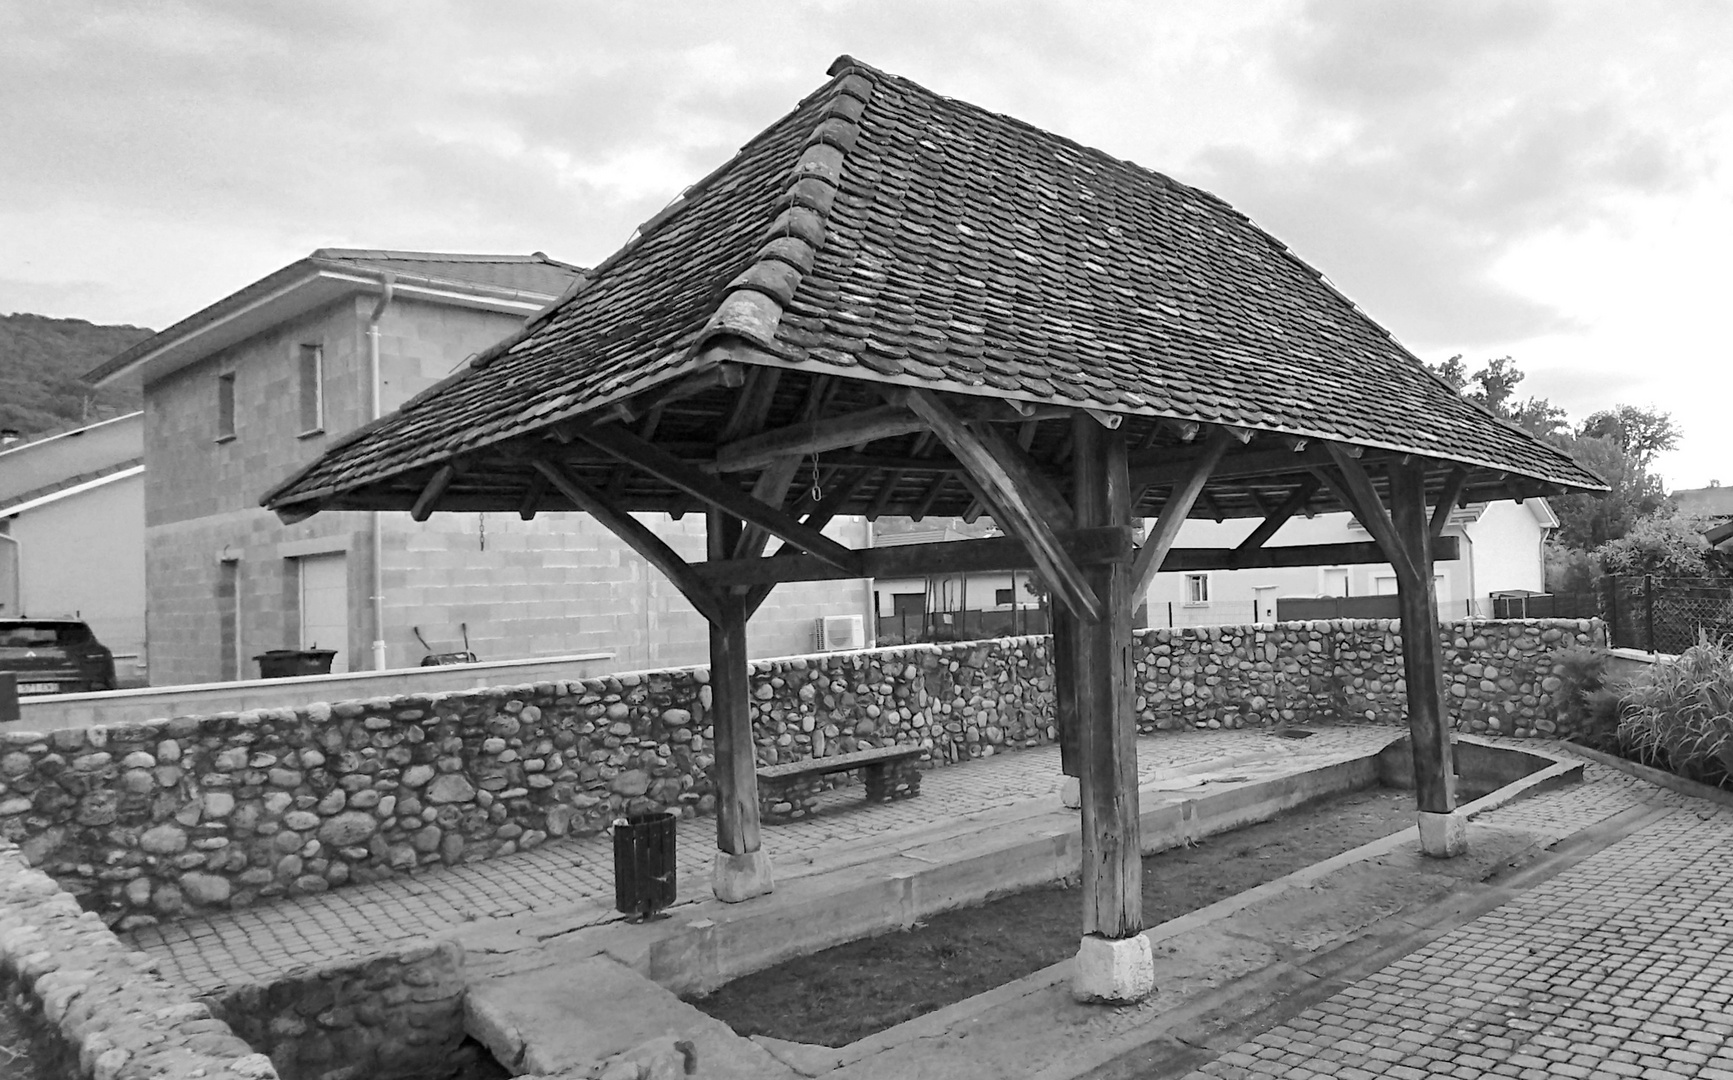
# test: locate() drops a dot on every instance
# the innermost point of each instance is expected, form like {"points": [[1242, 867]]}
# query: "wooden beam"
{"points": [[930, 497], [1447, 501], [1100, 680], [1174, 512], [659, 463], [1354, 487], [1160, 468], [1422, 646], [752, 405], [817, 515], [815, 436], [1009, 488], [1002, 553], [1279, 517], [737, 827], [637, 536], [1043, 492], [993, 553], [533, 492], [436, 485]]}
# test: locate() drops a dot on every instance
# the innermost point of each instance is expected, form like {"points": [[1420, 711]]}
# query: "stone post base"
{"points": [[741, 877], [1113, 971], [1070, 792], [1443, 836]]}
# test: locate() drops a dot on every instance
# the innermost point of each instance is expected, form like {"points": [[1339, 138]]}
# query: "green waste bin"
{"points": [[287, 663]]}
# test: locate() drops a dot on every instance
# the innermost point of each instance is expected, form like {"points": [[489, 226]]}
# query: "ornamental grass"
{"points": [[1678, 715]]}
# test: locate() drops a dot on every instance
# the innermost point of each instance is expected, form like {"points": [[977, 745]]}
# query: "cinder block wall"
{"points": [[558, 584]]}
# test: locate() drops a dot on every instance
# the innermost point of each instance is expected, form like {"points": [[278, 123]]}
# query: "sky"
{"points": [[1541, 179]]}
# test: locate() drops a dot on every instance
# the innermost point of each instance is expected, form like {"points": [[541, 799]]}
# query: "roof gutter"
{"points": [[376, 407]]}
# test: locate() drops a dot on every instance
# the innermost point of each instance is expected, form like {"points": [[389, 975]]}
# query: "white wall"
{"points": [[84, 555], [1509, 549]]}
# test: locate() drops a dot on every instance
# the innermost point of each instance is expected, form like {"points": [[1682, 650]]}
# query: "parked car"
{"points": [[54, 656]]}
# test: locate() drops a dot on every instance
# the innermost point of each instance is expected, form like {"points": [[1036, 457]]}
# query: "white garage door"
{"points": [[325, 606]]}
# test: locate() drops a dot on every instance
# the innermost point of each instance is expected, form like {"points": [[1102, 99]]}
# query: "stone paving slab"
{"points": [[1621, 966], [574, 877]]}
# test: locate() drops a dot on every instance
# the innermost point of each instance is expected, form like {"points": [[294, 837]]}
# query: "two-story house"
{"points": [[1502, 546], [242, 393]]}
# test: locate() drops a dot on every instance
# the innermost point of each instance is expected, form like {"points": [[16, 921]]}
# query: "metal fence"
{"points": [[960, 625], [1668, 615]]}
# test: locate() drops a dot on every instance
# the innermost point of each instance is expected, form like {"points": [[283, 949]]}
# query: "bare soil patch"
{"points": [[846, 993]]}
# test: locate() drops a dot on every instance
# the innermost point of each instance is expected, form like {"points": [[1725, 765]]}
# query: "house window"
{"points": [[225, 406], [1004, 597], [1197, 588], [311, 375], [909, 603]]}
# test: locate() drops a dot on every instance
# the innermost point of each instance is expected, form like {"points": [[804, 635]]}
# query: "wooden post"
{"points": [[1101, 680], [742, 870], [1423, 656], [1114, 962]]}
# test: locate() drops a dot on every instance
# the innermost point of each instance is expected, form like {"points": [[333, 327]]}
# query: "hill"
{"points": [[42, 361]]}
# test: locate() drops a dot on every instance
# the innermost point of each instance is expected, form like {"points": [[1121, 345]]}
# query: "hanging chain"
{"points": [[817, 487]]}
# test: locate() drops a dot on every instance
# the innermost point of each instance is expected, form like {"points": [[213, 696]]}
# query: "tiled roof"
{"points": [[881, 232]]}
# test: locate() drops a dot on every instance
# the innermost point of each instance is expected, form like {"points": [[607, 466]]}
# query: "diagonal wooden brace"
{"points": [[1175, 511], [627, 447], [637, 536], [1351, 484], [1015, 494]]}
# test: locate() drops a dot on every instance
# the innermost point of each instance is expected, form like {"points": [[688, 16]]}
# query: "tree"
{"points": [[1642, 433], [1617, 444], [1588, 520], [1494, 387], [1669, 545]]}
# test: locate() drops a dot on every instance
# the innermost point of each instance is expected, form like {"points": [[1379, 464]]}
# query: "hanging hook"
{"points": [[817, 487]]}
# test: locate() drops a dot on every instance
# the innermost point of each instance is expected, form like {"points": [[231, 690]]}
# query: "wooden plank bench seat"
{"points": [[791, 790]]}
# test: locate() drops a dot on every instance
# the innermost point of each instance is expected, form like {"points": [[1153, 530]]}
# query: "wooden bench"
{"points": [[791, 790]]}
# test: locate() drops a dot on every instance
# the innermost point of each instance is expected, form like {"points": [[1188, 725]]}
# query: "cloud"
{"points": [[1432, 140]]}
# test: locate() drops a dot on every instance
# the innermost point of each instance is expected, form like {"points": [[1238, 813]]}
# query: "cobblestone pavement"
{"points": [[264, 942], [1620, 966]]}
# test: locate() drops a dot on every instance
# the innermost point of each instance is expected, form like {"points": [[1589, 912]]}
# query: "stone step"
{"points": [[596, 1017]]}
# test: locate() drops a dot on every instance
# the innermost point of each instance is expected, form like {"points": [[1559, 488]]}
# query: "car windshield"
{"points": [[44, 635]]}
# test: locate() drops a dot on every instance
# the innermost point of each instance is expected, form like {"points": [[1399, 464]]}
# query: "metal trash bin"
{"points": [[644, 863], [287, 663]]}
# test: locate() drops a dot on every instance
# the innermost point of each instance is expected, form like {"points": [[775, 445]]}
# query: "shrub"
{"points": [[1678, 715], [1587, 707]]}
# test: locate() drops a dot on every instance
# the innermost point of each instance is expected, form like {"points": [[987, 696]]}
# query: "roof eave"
{"points": [[303, 286]]}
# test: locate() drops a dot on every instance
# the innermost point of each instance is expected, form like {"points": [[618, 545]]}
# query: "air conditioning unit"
{"points": [[841, 632]]}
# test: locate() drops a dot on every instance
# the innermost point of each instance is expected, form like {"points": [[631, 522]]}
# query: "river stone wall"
{"points": [[148, 821], [391, 1016], [95, 1009]]}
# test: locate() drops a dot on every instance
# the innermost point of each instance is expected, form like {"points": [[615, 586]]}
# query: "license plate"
{"points": [[39, 688]]}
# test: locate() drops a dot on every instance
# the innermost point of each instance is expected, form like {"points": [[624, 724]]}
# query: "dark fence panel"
{"points": [[1668, 615]]}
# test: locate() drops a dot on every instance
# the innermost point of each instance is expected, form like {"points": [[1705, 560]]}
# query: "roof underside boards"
{"points": [[881, 234]]}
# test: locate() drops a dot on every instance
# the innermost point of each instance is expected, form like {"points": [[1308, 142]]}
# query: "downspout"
{"points": [[376, 408]]}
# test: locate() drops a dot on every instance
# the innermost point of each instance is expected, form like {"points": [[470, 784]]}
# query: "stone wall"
{"points": [[98, 1011], [1501, 678], [147, 821], [392, 1016]]}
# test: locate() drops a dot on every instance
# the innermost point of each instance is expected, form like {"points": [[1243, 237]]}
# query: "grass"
{"points": [[1679, 714], [845, 993]]}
